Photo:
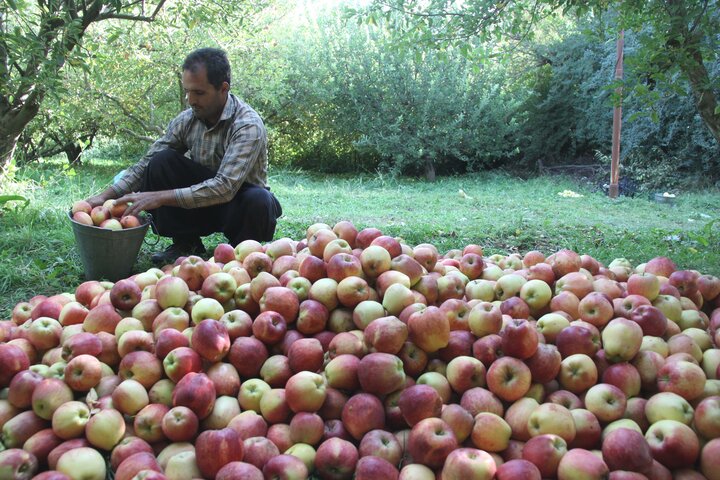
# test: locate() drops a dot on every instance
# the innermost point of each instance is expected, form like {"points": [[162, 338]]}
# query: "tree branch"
{"points": [[137, 18]]}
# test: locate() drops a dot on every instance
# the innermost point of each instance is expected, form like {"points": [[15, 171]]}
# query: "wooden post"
{"points": [[617, 122]]}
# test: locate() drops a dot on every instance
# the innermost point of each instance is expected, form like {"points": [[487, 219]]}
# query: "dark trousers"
{"points": [[251, 214]]}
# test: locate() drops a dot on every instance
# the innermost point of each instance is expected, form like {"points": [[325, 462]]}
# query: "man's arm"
{"points": [[148, 201]]}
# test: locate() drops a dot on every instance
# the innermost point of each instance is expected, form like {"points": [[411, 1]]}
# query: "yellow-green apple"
{"points": [[105, 429], [519, 339], [683, 378], [171, 292], [224, 410], [480, 289], [22, 312], [339, 320], [577, 373], [367, 311], [83, 462], [244, 248], [670, 306], [509, 378], [341, 372], [490, 432], [621, 339], [551, 325], [673, 444], [536, 293], [429, 329], [197, 392], [48, 395], [451, 285], [552, 418], [460, 463], [375, 260], [125, 325], [251, 391], [148, 422], [276, 371], [305, 392], [220, 286], [681, 343], [668, 406], [545, 452], [146, 311], [206, 309], [431, 441], [381, 373], [183, 466], [247, 355], [335, 247], [607, 402], [44, 333], [361, 413], [99, 214], [21, 388], [646, 284], [624, 376], [386, 334], [579, 463], [690, 318], [130, 397], [396, 298], [324, 291], [464, 373]]}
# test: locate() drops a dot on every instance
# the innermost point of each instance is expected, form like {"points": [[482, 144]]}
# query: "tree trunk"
{"points": [[429, 170], [12, 124], [705, 99]]}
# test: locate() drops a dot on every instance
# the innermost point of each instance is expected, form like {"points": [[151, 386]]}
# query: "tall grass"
{"points": [[502, 213]]}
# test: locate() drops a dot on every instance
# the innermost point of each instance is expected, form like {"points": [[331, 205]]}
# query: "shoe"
{"points": [[179, 248]]}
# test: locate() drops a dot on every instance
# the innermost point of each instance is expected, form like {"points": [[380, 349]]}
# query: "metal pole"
{"points": [[617, 122]]}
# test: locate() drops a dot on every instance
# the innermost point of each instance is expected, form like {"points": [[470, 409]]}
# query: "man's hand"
{"points": [[142, 201], [101, 198]]}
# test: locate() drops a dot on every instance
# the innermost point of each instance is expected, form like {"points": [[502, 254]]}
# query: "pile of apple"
{"points": [[109, 215], [350, 354]]}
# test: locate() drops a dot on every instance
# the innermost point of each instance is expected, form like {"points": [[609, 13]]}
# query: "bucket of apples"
{"points": [[107, 240]]}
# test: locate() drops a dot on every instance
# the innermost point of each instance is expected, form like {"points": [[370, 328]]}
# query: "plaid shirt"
{"points": [[235, 148]]}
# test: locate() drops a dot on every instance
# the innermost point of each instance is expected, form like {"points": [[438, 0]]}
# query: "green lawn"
{"points": [[502, 213]]}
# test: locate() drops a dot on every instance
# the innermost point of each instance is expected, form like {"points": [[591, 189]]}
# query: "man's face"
{"points": [[206, 101]]}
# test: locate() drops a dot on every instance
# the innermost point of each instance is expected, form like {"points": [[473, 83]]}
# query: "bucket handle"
{"points": [[154, 231]]}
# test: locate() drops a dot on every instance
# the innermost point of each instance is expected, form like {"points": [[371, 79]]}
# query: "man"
{"points": [[208, 173]]}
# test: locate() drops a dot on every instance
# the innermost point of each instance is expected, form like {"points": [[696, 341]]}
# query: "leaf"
{"points": [[5, 199]]}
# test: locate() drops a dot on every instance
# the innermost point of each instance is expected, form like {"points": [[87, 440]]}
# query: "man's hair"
{"points": [[215, 62]]}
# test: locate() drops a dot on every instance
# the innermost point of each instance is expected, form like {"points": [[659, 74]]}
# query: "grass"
{"points": [[502, 213]]}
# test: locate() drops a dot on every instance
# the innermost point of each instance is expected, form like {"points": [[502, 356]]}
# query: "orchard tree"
{"points": [[676, 36], [37, 39]]}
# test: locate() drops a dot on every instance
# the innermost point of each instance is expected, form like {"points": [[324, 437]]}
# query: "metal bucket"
{"points": [[108, 254]]}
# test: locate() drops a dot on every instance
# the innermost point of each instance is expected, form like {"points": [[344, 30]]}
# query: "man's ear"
{"points": [[225, 88]]}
